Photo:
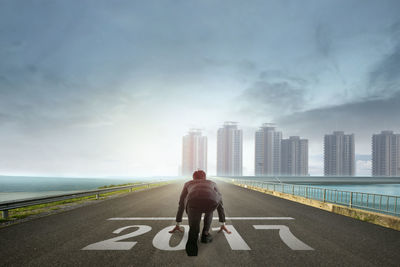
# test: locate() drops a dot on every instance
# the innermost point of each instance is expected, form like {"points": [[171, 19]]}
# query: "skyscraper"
{"points": [[294, 156], [229, 150], [339, 157], [267, 151], [386, 154], [194, 152]]}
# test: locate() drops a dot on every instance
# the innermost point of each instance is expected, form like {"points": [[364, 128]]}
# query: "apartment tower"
{"points": [[267, 151], [229, 150], [294, 156], [194, 152], [339, 157], [386, 154]]}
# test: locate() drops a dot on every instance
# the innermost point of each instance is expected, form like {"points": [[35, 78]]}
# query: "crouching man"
{"points": [[199, 196]]}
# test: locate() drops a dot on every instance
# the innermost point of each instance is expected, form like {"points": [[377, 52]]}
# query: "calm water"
{"points": [[384, 189], [13, 188]]}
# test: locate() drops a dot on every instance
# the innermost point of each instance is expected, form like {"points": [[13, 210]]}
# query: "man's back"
{"points": [[202, 190]]}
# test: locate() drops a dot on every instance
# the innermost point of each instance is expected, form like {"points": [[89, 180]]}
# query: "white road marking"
{"points": [[235, 241], [161, 239], [113, 244], [185, 218], [286, 236]]}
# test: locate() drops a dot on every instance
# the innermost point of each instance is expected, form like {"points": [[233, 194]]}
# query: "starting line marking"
{"points": [[185, 218]]}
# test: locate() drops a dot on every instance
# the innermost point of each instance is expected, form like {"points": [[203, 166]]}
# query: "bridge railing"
{"points": [[9, 205], [386, 204]]}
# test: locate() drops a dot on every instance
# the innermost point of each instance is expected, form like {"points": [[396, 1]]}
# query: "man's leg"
{"points": [[209, 209], [207, 222], [194, 217]]}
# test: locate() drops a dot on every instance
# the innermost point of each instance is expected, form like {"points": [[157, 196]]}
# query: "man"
{"points": [[199, 196]]}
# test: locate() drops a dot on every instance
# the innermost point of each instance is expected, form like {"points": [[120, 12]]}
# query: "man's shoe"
{"points": [[191, 248], [206, 238]]}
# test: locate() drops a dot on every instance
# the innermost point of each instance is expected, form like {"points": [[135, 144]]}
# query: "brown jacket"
{"points": [[197, 190]]}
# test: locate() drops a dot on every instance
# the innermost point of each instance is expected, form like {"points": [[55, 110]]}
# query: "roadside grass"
{"points": [[22, 213]]}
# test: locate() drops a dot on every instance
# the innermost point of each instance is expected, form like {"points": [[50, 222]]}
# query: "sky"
{"points": [[108, 88]]}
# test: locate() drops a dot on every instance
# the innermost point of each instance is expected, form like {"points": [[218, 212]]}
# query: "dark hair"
{"points": [[199, 175]]}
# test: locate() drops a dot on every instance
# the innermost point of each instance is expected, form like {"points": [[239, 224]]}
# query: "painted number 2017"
{"points": [[162, 239]]}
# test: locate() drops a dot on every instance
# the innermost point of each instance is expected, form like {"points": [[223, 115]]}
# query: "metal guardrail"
{"points": [[386, 204], [9, 205]]}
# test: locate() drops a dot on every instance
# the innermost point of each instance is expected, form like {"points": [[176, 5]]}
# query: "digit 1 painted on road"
{"points": [[234, 239], [286, 236], [161, 240]]}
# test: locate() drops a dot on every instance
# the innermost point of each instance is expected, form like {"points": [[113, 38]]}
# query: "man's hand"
{"points": [[223, 228], [176, 228]]}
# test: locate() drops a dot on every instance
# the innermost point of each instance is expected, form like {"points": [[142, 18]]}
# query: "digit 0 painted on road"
{"points": [[161, 240]]}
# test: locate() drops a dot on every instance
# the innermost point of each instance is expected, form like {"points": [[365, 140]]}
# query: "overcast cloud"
{"points": [[99, 88]]}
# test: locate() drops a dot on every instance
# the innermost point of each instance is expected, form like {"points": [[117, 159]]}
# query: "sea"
{"points": [[366, 184], [383, 189], [25, 187]]}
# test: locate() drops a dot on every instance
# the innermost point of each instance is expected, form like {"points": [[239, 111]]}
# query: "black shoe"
{"points": [[206, 238], [191, 247]]}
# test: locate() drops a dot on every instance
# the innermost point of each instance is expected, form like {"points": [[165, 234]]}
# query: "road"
{"points": [[268, 231]]}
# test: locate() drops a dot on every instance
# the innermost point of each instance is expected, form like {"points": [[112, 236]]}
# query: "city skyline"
{"points": [[108, 89], [289, 157]]}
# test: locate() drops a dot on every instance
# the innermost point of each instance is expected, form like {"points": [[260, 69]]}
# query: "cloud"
{"points": [[323, 40], [325, 45], [274, 93], [362, 118], [384, 79]]}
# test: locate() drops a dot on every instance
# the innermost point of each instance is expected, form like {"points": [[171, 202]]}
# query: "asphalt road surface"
{"points": [[133, 231]]}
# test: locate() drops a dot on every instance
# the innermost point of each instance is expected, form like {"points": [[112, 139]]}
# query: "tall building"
{"points": [[294, 156], [267, 151], [339, 157], [229, 150], [194, 152], [386, 154]]}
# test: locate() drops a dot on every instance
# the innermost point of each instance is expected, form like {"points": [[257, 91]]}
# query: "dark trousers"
{"points": [[194, 211]]}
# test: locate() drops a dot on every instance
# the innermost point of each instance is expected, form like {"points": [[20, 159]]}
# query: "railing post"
{"points": [[351, 199], [97, 196], [387, 204], [293, 190], [4, 214], [130, 189], [306, 191], [324, 195]]}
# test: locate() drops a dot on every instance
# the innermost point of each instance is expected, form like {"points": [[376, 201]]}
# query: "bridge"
{"points": [[132, 230]]}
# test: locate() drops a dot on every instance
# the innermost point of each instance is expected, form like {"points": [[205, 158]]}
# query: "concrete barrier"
{"points": [[388, 221]]}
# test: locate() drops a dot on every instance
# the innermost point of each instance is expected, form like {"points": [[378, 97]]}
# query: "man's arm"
{"points": [[181, 208], [221, 213], [220, 208]]}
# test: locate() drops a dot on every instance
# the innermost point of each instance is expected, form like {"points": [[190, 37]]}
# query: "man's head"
{"points": [[199, 175]]}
